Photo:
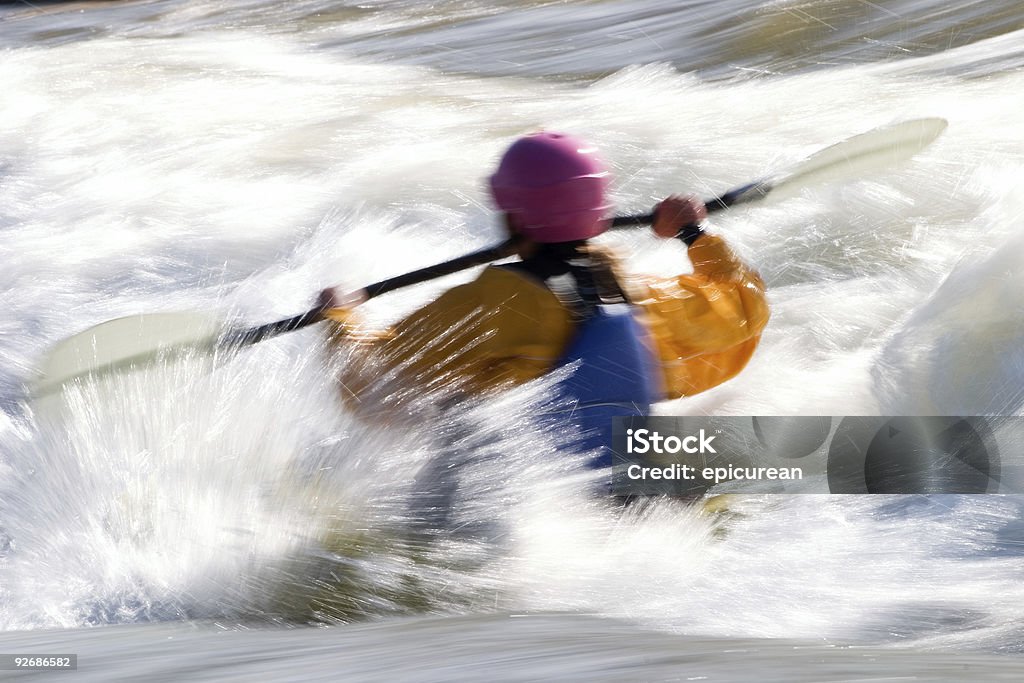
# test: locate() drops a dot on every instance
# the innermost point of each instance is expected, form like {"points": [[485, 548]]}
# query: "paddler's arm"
{"points": [[705, 324], [499, 329], [406, 359], [711, 257]]}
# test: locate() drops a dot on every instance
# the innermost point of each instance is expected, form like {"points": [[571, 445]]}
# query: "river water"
{"points": [[237, 156]]}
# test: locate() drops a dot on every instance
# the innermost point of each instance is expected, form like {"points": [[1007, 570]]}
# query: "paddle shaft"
{"points": [[258, 334], [253, 335], [739, 195]]}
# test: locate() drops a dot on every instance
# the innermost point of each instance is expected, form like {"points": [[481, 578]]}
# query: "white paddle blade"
{"points": [[125, 344], [861, 154]]}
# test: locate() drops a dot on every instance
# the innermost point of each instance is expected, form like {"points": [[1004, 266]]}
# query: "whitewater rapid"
{"points": [[240, 172]]}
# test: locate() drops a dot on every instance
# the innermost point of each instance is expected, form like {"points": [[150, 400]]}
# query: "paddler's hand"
{"points": [[677, 213], [337, 306]]}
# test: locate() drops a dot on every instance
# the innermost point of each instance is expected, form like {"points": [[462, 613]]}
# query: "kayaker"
{"points": [[518, 321]]}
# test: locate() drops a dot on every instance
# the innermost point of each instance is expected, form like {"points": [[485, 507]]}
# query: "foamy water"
{"points": [[223, 157]]}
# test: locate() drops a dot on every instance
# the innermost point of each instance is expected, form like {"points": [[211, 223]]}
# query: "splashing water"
{"points": [[187, 166]]}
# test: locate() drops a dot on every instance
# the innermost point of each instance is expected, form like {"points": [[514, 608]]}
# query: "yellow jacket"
{"points": [[505, 329]]}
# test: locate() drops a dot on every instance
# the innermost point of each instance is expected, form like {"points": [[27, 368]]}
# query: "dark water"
{"points": [[587, 39]]}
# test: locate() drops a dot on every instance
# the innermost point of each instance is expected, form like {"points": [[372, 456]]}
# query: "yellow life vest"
{"points": [[504, 329]]}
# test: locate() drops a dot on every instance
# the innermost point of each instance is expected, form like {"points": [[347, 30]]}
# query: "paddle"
{"points": [[143, 339]]}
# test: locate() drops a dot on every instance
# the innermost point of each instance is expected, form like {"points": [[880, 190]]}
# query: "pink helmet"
{"points": [[555, 184]]}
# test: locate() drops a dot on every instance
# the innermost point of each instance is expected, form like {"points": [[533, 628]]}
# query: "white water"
{"points": [[240, 171]]}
